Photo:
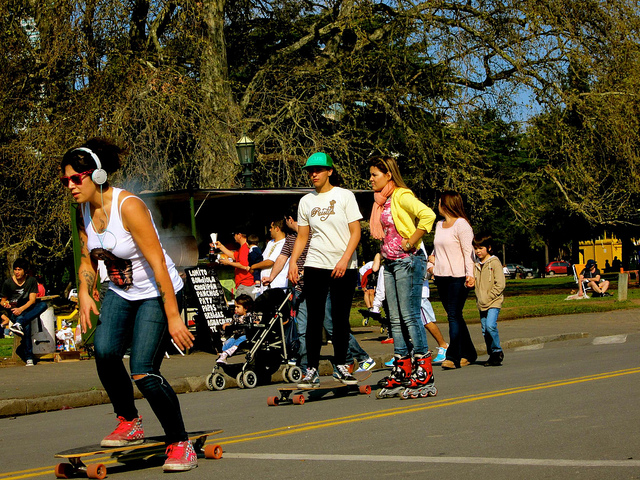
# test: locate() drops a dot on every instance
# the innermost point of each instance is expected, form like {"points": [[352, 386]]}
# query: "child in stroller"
{"points": [[240, 324], [269, 344]]}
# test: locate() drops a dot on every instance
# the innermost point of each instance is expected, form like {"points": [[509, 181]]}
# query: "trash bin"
{"points": [[43, 333]]}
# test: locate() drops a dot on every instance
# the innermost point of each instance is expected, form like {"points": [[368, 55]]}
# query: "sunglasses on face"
{"points": [[76, 178]]}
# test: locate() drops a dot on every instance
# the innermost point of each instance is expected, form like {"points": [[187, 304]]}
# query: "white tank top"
{"points": [[130, 275]]}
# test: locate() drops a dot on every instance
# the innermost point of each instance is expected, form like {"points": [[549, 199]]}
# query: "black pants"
{"points": [[317, 285], [453, 295]]}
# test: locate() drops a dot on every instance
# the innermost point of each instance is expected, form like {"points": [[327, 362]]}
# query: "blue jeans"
{"points": [[143, 325], [24, 319], [453, 295], [403, 288], [231, 342], [300, 307], [354, 350], [489, 321]]}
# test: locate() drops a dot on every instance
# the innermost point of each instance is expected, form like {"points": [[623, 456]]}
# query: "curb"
{"points": [[14, 407]]}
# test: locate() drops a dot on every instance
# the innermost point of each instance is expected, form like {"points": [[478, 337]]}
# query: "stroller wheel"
{"points": [[285, 374], [239, 380], [216, 381], [249, 379], [294, 374], [209, 381]]}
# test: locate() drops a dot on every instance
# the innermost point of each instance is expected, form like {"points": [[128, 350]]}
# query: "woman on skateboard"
{"points": [[400, 220], [141, 307], [453, 275], [330, 217]]}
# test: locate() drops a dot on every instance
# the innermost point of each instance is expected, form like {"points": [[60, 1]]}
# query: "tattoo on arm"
{"points": [[162, 294], [88, 277]]}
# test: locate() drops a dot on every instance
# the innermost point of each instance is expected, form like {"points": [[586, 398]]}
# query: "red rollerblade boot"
{"points": [[392, 385], [421, 382]]}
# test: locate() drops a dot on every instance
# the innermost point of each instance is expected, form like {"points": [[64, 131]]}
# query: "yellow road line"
{"points": [[406, 407]]}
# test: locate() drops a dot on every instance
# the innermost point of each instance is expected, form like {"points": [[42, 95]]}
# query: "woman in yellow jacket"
{"points": [[400, 220]]}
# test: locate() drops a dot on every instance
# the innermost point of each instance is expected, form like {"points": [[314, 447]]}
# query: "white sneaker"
{"points": [[17, 329], [29, 363], [310, 380]]}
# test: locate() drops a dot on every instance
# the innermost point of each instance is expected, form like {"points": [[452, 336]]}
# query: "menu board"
{"points": [[209, 294]]}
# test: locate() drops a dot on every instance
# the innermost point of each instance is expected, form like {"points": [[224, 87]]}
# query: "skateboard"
{"points": [[150, 448], [294, 394]]}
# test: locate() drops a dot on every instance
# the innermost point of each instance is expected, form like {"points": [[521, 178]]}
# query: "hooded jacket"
{"points": [[489, 283]]}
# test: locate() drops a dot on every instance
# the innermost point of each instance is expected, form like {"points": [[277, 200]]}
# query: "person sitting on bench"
{"points": [[19, 294]]}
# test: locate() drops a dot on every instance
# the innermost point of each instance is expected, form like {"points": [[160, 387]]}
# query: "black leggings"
{"points": [[317, 285]]}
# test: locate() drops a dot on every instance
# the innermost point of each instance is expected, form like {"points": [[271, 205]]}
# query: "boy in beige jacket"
{"points": [[489, 288]]}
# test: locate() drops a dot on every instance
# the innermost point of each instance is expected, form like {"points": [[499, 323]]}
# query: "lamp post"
{"points": [[246, 150]]}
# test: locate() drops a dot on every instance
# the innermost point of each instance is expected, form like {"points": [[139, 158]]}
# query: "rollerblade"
{"points": [[392, 386], [421, 382]]}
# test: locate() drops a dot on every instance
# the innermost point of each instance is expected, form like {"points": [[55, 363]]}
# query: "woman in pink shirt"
{"points": [[453, 276]]}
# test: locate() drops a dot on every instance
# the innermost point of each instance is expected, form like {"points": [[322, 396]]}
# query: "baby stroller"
{"points": [[271, 343]]}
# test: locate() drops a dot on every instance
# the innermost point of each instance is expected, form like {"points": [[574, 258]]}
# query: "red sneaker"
{"points": [[128, 432], [180, 457], [387, 340]]}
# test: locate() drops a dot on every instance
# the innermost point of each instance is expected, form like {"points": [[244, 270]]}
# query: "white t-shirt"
{"points": [[271, 252], [328, 216]]}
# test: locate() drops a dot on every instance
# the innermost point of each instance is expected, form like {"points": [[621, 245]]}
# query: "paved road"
{"points": [[554, 410]]}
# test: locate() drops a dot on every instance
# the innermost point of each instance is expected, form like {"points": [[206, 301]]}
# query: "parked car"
{"points": [[557, 267], [515, 270]]}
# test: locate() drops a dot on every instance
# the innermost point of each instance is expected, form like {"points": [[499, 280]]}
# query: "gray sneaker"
{"points": [[342, 374], [310, 380]]}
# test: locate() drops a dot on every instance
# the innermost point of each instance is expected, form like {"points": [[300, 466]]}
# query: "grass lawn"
{"points": [[535, 297], [6, 346]]}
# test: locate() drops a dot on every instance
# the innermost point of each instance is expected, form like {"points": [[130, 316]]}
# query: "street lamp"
{"points": [[246, 150]]}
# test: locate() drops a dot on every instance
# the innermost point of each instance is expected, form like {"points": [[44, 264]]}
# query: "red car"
{"points": [[558, 267]]}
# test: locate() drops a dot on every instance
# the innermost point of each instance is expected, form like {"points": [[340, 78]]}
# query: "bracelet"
{"points": [[408, 245]]}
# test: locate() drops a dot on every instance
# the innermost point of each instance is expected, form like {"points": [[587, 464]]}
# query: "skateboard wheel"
{"points": [[366, 389], [273, 401], [213, 451], [96, 470], [64, 470], [239, 380], [295, 374], [250, 379], [217, 382], [298, 399]]}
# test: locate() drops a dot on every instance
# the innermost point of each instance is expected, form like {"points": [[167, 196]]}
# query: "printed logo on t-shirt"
{"points": [[324, 213], [120, 270]]}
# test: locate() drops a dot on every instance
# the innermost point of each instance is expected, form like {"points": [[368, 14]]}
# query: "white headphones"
{"points": [[99, 176]]}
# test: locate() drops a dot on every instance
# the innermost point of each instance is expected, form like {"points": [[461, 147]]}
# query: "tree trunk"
{"points": [[220, 120]]}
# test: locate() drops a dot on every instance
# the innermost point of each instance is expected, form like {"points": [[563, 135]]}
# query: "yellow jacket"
{"points": [[405, 209]]}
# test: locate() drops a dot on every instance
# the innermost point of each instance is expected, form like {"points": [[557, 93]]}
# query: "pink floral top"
{"points": [[392, 243]]}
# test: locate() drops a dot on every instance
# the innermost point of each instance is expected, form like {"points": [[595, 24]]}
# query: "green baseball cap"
{"points": [[319, 159]]}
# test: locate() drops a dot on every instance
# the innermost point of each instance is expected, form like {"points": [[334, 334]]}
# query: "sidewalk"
{"points": [[53, 386]]}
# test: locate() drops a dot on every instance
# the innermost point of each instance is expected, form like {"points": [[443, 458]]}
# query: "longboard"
{"points": [[151, 447], [294, 394]]}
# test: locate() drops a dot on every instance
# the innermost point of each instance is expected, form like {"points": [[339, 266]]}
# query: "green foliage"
{"points": [[431, 82]]}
